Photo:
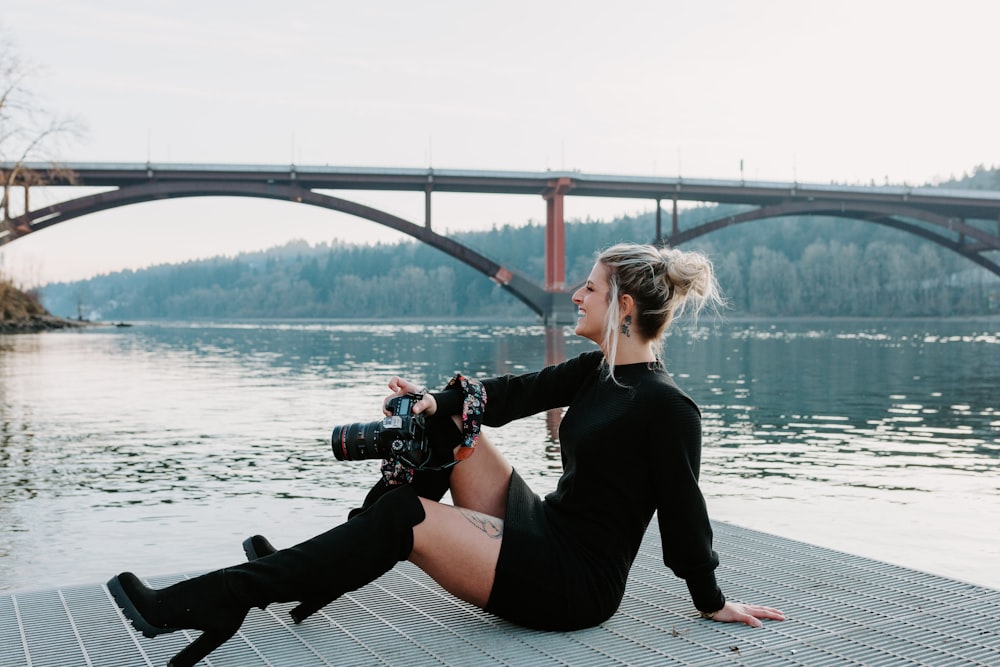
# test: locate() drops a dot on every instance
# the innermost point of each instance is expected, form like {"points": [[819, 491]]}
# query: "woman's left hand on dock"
{"points": [[736, 612]]}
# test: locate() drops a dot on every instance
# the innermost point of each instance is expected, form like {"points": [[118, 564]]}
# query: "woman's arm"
{"points": [[510, 397], [685, 528]]}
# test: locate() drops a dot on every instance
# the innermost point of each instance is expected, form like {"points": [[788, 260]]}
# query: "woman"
{"points": [[631, 445]]}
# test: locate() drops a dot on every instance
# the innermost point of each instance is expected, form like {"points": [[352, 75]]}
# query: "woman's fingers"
{"points": [[427, 405], [734, 612], [768, 612], [400, 386]]}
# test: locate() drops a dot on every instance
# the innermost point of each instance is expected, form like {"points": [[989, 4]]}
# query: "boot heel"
{"points": [[201, 647], [258, 546], [306, 609]]}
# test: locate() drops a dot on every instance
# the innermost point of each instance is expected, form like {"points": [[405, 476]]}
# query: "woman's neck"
{"points": [[633, 352]]}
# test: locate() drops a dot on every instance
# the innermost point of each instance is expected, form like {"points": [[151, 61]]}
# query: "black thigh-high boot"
{"points": [[430, 484], [427, 483], [336, 562]]}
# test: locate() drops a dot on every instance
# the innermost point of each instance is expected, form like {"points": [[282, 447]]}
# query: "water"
{"points": [[158, 448]]}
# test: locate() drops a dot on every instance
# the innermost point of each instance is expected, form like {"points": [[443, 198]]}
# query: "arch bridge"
{"points": [[965, 222]]}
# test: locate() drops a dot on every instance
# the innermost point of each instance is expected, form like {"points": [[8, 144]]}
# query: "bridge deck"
{"points": [[842, 610]]}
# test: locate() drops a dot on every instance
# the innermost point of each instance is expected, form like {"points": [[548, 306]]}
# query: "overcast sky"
{"points": [[849, 91]]}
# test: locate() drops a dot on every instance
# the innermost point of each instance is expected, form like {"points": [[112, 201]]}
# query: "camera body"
{"points": [[402, 435]]}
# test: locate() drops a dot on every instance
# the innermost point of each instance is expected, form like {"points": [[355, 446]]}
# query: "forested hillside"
{"points": [[785, 267]]}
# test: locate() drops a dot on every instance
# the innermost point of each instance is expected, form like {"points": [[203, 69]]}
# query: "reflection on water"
{"points": [[846, 411], [159, 447]]}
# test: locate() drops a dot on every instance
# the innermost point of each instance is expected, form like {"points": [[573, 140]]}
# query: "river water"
{"points": [[159, 447]]}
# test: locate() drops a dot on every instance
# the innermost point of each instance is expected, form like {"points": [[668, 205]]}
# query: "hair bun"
{"points": [[689, 273]]}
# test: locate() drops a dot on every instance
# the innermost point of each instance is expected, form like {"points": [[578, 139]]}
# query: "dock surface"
{"points": [[841, 610]]}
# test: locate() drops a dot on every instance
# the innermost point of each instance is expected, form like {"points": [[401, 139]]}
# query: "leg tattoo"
{"points": [[490, 525]]}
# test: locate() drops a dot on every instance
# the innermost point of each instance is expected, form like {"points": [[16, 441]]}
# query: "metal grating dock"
{"points": [[842, 610]]}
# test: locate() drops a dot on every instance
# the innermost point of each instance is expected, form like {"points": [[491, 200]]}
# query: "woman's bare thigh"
{"points": [[480, 482], [458, 548]]}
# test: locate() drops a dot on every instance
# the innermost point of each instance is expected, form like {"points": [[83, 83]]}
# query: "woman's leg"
{"points": [[458, 545], [458, 548], [480, 482], [455, 546]]}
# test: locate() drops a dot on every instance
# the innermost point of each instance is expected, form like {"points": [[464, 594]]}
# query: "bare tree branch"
{"points": [[27, 130]]}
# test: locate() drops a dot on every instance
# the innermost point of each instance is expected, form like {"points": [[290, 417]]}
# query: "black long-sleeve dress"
{"points": [[626, 451]]}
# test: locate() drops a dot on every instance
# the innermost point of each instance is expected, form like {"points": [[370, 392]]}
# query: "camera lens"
{"points": [[355, 442]]}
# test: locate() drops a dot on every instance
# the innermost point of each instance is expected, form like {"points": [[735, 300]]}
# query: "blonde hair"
{"points": [[663, 282]]}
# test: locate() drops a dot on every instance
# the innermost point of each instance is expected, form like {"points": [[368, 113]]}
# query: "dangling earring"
{"points": [[626, 326]]}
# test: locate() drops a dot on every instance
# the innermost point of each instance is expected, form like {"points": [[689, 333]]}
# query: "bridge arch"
{"points": [[874, 213], [536, 298]]}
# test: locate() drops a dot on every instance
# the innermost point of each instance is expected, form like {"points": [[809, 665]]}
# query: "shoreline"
{"points": [[40, 323]]}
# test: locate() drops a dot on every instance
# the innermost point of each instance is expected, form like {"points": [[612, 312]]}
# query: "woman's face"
{"points": [[592, 304]]}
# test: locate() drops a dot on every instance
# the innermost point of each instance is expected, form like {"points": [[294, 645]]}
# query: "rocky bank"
{"points": [[22, 312]]}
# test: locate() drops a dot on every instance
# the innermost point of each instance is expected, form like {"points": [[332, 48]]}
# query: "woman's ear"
{"points": [[627, 304]]}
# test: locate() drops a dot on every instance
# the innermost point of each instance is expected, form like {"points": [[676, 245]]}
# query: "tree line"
{"points": [[797, 266]]}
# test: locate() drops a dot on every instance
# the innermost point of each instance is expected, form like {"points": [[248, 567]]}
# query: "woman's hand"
{"points": [[399, 386], [735, 612]]}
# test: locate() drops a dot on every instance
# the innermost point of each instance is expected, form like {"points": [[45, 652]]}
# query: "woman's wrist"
{"points": [[449, 401]]}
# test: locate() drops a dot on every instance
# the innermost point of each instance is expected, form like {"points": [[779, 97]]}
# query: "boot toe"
{"points": [[132, 596]]}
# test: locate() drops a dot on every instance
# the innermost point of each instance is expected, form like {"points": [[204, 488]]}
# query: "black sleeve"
{"points": [[449, 401], [511, 397], [685, 530]]}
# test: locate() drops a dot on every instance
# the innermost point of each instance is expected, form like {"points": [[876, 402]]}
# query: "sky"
{"points": [[847, 91]]}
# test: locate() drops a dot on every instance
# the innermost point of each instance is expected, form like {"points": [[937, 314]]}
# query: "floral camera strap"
{"points": [[473, 407]]}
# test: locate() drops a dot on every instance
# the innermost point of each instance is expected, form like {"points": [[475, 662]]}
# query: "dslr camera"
{"points": [[402, 435]]}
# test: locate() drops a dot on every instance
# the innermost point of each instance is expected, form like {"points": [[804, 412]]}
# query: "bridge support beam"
{"points": [[7, 222], [673, 220], [555, 235], [427, 200]]}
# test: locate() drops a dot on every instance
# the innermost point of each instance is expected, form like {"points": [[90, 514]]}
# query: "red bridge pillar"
{"points": [[555, 235]]}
